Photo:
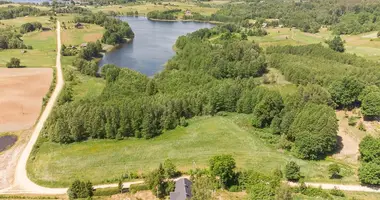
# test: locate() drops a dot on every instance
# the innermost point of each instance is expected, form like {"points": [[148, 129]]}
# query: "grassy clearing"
{"points": [[36, 6], [356, 44], [17, 22], [74, 36], [85, 87], [144, 9], [101, 160]]}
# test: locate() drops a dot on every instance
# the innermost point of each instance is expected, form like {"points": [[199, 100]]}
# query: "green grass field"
{"points": [[144, 9], [43, 53], [101, 160]]}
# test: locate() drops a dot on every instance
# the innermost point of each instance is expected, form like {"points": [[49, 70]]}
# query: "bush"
{"points": [[334, 170], [138, 187], [337, 192], [106, 191], [352, 121], [80, 189], [361, 127], [316, 192], [292, 171], [13, 63], [234, 188]]}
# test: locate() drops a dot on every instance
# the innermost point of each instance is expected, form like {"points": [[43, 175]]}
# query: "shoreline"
{"points": [[184, 20], [172, 20]]}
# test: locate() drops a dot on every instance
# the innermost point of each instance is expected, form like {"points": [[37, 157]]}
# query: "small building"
{"points": [[78, 25], [83, 45], [182, 190], [187, 13]]}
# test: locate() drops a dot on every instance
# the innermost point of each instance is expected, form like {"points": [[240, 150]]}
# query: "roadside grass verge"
{"points": [[57, 165]]}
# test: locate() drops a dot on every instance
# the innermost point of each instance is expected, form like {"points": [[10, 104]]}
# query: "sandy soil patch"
{"points": [[21, 94], [348, 140]]}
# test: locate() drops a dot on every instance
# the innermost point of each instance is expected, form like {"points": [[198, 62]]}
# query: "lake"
{"points": [[152, 46]]}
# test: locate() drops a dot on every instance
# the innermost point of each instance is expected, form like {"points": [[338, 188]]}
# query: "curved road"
{"points": [[23, 185]]}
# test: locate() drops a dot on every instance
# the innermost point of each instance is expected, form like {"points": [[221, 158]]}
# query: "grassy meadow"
{"points": [[105, 160], [144, 9], [363, 45], [74, 36], [43, 53]]}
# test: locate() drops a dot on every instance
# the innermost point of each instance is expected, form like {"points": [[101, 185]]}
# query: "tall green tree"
{"points": [[292, 171], [371, 105], [223, 166], [336, 44]]}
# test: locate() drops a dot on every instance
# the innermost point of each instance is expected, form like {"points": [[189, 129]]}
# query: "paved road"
{"points": [[23, 185]]}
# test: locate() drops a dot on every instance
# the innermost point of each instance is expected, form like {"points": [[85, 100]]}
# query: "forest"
{"points": [[11, 12]]}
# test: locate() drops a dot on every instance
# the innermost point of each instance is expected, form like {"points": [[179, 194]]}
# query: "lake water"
{"points": [[152, 45]]}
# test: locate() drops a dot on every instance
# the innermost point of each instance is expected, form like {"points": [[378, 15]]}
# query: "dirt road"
{"points": [[22, 184]]}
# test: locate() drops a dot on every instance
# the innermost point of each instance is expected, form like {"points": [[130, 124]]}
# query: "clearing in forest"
{"points": [[21, 94], [106, 160]]}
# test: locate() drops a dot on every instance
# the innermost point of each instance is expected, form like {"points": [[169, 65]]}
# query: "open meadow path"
{"points": [[23, 185]]}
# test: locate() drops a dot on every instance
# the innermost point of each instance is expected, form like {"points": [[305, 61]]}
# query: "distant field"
{"points": [[100, 160], [39, 7], [143, 9], [17, 22], [74, 36], [43, 42], [358, 44]]}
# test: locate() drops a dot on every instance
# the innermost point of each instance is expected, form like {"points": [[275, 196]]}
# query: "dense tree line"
{"points": [[167, 14], [116, 30], [11, 12], [308, 16]]}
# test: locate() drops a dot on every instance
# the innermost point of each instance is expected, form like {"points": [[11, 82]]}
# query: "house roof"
{"points": [[182, 190]]}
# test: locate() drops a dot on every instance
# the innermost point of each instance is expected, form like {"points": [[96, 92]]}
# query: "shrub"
{"points": [[13, 63], [80, 189], [316, 192], [361, 127], [234, 188], [337, 192], [334, 170], [138, 187], [352, 121], [292, 171]]}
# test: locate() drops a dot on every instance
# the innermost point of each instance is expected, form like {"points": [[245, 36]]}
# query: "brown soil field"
{"points": [[21, 94]]}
